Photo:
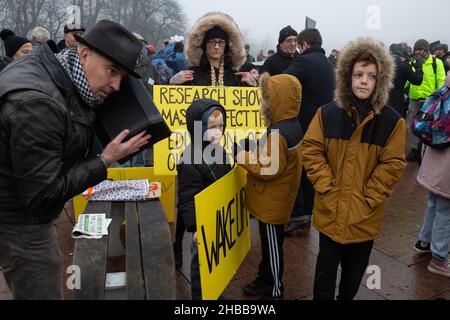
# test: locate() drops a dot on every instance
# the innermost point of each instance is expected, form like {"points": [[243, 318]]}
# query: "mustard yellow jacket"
{"points": [[353, 169], [354, 165], [274, 173]]}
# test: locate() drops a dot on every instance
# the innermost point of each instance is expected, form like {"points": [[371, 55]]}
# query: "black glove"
{"points": [[235, 150], [248, 144], [418, 63]]}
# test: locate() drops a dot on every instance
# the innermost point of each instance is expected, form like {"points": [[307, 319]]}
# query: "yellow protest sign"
{"points": [[168, 186], [223, 231], [243, 118]]}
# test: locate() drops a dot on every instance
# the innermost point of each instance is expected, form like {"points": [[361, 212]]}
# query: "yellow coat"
{"points": [[354, 166], [274, 177]]}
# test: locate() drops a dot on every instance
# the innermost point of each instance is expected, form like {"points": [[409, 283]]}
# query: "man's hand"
{"points": [[182, 77], [418, 63], [247, 78], [247, 145], [117, 149], [235, 150]]}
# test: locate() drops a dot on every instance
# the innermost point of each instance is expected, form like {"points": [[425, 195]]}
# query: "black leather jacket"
{"points": [[46, 131]]}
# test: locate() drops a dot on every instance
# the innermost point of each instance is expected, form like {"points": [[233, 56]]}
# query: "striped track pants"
{"points": [[271, 266]]}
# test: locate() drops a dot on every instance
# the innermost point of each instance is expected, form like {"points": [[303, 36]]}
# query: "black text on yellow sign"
{"points": [[187, 95], [235, 118], [231, 222], [243, 119]]}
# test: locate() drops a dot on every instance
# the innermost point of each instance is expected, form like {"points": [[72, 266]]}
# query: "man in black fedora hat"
{"points": [[46, 134]]}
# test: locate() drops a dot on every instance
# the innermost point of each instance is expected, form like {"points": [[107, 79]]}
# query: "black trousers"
{"points": [[196, 284], [353, 259], [271, 266], [180, 230], [31, 261]]}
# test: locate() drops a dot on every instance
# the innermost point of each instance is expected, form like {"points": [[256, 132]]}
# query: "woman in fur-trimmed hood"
{"points": [[215, 51], [353, 154]]}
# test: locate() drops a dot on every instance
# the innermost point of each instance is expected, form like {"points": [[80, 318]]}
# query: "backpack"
{"points": [[432, 123]]}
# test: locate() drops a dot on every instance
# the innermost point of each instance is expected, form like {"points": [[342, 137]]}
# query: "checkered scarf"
{"points": [[70, 61]]}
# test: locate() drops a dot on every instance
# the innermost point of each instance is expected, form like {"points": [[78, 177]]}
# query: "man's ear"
{"points": [[83, 53]]}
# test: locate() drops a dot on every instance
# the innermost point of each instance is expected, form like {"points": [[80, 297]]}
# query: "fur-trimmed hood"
{"points": [[194, 41], [281, 98], [386, 73]]}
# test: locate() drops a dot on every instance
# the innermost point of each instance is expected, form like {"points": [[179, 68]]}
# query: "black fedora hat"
{"points": [[112, 41]]}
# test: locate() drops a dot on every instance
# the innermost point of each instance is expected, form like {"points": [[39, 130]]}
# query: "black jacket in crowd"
{"points": [[317, 77], [333, 60], [250, 59], [202, 75], [404, 73], [46, 131], [194, 178], [278, 63], [446, 60]]}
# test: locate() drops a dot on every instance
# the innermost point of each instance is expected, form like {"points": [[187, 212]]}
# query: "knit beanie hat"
{"points": [[396, 48], [286, 33], [442, 46], [422, 44], [216, 33], [12, 42]]}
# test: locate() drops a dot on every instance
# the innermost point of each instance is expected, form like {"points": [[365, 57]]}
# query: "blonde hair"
{"points": [[219, 82], [216, 113]]}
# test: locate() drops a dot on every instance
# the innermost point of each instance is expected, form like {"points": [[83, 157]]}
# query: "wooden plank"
{"points": [[115, 246], [157, 252], [91, 257], [135, 278]]}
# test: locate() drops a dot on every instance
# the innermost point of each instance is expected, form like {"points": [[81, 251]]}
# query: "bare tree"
{"points": [[156, 20], [170, 20], [21, 15], [56, 17]]}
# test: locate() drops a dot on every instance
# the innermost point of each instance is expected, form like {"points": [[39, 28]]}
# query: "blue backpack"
{"points": [[432, 123]]}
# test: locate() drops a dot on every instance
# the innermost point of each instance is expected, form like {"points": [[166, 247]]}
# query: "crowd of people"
{"points": [[340, 123]]}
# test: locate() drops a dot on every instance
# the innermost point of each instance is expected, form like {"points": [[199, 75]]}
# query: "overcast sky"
{"points": [[339, 21]]}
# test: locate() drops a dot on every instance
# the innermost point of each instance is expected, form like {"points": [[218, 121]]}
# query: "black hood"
{"points": [[196, 109]]}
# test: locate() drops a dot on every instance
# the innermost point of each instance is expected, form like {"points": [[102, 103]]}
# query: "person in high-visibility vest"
{"points": [[433, 78]]}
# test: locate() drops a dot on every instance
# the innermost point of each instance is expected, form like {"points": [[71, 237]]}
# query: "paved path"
{"points": [[404, 275]]}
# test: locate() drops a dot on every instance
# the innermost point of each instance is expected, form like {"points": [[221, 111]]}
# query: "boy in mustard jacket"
{"points": [[353, 154], [273, 178]]}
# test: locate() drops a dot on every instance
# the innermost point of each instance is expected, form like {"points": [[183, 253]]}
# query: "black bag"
{"points": [[131, 108]]}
